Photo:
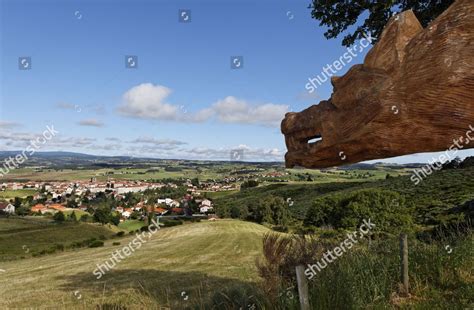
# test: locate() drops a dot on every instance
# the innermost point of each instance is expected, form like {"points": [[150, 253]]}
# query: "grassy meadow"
{"points": [[25, 237], [21, 193], [198, 259]]}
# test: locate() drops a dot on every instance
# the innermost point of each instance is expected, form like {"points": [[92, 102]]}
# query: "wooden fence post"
{"points": [[404, 263], [302, 288]]}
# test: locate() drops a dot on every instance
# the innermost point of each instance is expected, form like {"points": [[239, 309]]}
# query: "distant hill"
{"points": [[71, 160]]}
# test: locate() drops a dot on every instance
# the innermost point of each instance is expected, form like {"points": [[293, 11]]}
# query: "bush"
{"points": [[115, 243], [360, 277], [84, 218], [236, 297], [59, 217], [120, 234], [171, 223], [96, 244], [248, 184], [280, 228], [59, 247], [386, 208]]}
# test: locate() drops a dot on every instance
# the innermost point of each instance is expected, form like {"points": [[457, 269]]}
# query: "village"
{"points": [[128, 199]]}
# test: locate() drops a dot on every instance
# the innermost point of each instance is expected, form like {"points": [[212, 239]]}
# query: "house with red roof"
{"points": [[57, 207], [40, 208]]}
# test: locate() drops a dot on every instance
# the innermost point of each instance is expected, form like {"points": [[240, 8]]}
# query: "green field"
{"points": [[21, 193], [131, 225], [24, 237], [104, 174], [203, 173], [198, 259]]}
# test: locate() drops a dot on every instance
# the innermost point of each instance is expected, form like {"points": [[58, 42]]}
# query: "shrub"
{"points": [[59, 217], [115, 243], [84, 218], [171, 223], [386, 208], [120, 234], [59, 246], [96, 244], [236, 297], [280, 228], [248, 184]]}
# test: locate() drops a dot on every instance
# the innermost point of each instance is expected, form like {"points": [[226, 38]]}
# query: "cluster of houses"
{"points": [[54, 197], [58, 189], [165, 206], [48, 208]]}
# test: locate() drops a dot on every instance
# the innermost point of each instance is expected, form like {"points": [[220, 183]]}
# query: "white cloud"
{"points": [[149, 140], [148, 101], [233, 110], [66, 106], [8, 124], [91, 122]]}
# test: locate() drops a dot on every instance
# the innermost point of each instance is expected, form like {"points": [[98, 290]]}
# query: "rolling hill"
{"points": [[178, 267]]}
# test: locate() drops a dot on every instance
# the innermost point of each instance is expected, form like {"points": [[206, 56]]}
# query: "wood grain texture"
{"points": [[413, 93]]}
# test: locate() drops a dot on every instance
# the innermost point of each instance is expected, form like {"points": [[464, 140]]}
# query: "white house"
{"points": [[205, 209], [7, 208], [169, 202], [206, 203]]}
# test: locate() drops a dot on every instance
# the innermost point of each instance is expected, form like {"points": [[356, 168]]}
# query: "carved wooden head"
{"points": [[413, 93]]}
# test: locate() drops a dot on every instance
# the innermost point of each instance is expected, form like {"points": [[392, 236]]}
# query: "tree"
{"points": [[387, 209], [17, 202], [101, 215], [453, 164], [272, 210], [115, 218], [22, 211], [248, 184], [84, 218], [340, 15], [234, 212], [59, 217], [71, 203], [72, 216], [195, 182], [244, 212]]}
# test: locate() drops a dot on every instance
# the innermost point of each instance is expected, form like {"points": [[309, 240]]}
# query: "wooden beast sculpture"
{"points": [[413, 93]]}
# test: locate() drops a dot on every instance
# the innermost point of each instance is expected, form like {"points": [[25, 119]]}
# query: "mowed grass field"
{"points": [[177, 267]]}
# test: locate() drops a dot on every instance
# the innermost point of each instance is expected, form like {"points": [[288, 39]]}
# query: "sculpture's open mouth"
{"points": [[304, 131], [302, 136], [303, 140], [298, 135]]}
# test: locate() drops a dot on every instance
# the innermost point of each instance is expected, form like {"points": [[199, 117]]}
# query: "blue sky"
{"points": [[183, 100]]}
